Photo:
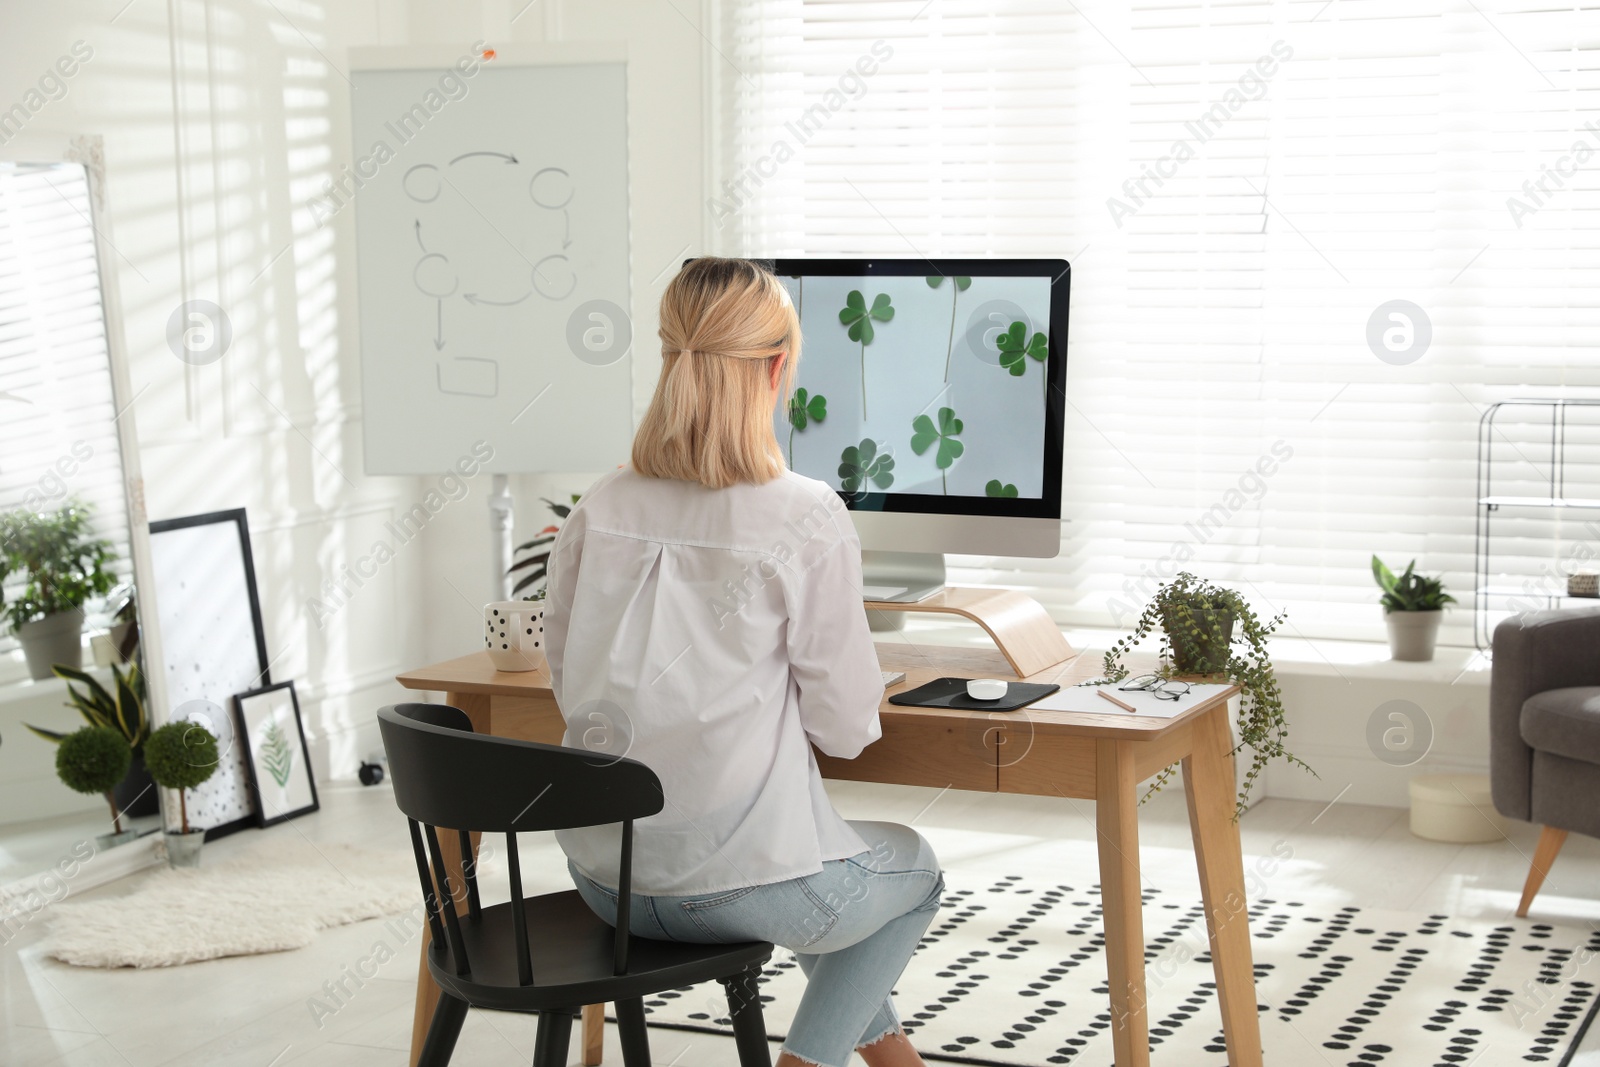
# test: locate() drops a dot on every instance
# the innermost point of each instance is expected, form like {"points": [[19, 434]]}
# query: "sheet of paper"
{"points": [[1084, 698]]}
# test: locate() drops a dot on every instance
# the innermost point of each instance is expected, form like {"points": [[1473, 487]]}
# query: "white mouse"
{"points": [[986, 688]]}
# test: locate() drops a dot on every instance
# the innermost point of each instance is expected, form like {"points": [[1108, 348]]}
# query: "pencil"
{"points": [[1124, 706]]}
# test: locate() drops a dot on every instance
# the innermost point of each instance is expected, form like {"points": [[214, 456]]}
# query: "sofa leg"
{"points": [[1550, 842]]}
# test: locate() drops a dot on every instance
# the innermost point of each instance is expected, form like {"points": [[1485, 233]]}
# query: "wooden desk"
{"points": [[1068, 754]]}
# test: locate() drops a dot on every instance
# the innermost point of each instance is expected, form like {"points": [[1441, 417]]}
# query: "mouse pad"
{"points": [[952, 693]]}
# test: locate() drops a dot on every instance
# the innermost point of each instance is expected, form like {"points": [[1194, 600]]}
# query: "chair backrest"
{"points": [[446, 776]]}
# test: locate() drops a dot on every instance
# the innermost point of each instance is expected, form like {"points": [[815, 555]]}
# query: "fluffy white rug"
{"points": [[272, 897]]}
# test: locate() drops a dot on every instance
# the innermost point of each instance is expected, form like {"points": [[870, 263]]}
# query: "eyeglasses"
{"points": [[1157, 686]]}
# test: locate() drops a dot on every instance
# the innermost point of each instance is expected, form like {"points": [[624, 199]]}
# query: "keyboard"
{"points": [[892, 677]]}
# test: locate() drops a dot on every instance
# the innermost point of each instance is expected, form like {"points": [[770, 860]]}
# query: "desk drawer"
{"points": [[933, 750], [1051, 765]]}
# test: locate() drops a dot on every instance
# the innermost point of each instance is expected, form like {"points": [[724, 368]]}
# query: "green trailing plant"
{"points": [[121, 708], [181, 755], [859, 318], [1016, 348], [61, 563], [961, 283], [804, 409], [1410, 591], [996, 488], [93, 759], [1195, 617], [863, 463], [537, 563], [924, 433]]}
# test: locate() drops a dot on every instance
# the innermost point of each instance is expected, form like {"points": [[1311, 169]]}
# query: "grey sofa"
{"points": [[1544, 728]]}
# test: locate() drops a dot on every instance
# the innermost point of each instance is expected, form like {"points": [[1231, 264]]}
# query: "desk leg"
{"points": [[1117, 819], [1208, 782], [594, 1034], [477, 709]]}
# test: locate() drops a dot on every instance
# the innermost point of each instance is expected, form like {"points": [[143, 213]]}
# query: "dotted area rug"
{"points": [[1012, 972]]}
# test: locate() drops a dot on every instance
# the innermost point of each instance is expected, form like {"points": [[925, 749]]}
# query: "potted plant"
{"points": [[123, 712], [1413, 607], [62, 566], [181, 755], [1211, 631], [93, 759], [537, 564]]}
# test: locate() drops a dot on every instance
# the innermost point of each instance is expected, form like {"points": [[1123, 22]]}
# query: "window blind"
{"points": [[1249, 193], [58, 436]]}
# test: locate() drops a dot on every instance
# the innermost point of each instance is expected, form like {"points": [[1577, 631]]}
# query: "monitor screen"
{"points": [[932, 386]]}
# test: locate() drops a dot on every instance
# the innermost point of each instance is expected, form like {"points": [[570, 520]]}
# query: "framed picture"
{"points": [[213, 646], [275, 743]]}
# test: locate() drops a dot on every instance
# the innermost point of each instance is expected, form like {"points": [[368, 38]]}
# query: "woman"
{"points": [[705, 618]]}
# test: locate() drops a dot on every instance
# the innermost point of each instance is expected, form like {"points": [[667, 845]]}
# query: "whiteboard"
{"points": [[492, 257]]}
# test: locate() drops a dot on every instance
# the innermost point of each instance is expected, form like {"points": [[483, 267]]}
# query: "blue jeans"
{"points": [[853, 927]]}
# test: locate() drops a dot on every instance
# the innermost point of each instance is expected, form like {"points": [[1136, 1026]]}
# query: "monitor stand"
{"points": [[901, 577]]}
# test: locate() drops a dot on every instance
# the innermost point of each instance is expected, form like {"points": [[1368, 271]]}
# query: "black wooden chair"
{"points": [[547, 954]]}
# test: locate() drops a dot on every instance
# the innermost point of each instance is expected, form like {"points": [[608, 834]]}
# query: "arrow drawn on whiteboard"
{"points": [[510, 159], [438, 332], [419, 236], [474, 298]]}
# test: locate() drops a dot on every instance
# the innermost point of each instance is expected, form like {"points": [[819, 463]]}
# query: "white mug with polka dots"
{"points": [[514, 634]]}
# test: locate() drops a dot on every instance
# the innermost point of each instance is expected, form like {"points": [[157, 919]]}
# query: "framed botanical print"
{"points": [[275, 750]]}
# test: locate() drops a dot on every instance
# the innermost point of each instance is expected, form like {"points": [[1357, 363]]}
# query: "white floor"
{"points": [[258, 1010]]}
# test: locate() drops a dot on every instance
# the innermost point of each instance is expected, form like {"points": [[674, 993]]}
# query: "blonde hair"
{"points": [[723, 321]]}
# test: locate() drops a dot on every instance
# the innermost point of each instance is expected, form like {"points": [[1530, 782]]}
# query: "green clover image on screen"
{"points": [[859, 464], [1014, 354], [962, 284], [924, 433], [998, 489], [804, 409], [859, 318]]}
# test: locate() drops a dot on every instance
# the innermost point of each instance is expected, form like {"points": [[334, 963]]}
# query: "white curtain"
{"points": [[1311, 243]]}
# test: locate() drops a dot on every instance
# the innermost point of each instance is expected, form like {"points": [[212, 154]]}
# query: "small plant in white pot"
{"points": [[1413, 607], [180, 756]]}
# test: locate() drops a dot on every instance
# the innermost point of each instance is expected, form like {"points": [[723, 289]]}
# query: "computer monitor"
{"points": [[930, 394]]}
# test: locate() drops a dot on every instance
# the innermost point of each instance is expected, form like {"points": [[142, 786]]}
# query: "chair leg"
{"points": [[448, 1015], [554, 1037], [631, 1029], [1550, 842], [744, 1008]]}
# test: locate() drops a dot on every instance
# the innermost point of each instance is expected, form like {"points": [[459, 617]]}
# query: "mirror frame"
{"points": [[88, 151]]}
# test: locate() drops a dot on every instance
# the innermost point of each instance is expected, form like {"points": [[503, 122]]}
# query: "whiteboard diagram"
{"points": [[492, 249]]}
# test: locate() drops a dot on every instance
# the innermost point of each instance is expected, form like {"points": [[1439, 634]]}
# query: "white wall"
{"points": [[221, 118]]}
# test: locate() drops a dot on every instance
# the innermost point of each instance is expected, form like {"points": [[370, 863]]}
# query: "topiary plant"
{"points": [[94, 759], [1410, 591], [1196, 619], [181, 755]]}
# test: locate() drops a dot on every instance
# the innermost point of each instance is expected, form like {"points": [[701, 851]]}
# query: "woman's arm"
{"points": [[831, 655]]}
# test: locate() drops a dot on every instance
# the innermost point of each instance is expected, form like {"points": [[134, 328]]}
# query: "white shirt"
{"points": [[714, 635]]}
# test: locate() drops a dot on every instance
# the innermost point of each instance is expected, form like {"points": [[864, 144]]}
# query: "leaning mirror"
{"points": [[74, 704]]}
